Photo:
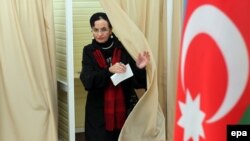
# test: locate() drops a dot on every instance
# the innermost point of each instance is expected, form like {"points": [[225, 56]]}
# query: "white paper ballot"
{"points": [[119, 77]]}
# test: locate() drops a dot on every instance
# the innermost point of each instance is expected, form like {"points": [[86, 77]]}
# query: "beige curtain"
{"points": [[172, 64], [28, 105], [141, 25]]}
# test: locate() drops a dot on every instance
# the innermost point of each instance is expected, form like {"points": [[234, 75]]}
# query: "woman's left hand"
{"points": [[143, 59]]}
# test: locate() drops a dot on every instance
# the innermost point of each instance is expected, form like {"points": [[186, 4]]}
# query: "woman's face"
{"points": [[101, 31]]}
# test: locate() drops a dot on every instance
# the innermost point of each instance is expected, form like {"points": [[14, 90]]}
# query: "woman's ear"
{"points": [[111, 34]]}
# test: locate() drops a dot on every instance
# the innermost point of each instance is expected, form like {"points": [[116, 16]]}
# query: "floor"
{"points": [[80, 136]]}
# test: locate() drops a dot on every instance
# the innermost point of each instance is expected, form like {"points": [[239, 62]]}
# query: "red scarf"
{"points": [[114, 102]]}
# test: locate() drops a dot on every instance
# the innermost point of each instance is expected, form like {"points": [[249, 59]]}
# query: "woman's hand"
{"points": [[117, 68], [143, 59]]}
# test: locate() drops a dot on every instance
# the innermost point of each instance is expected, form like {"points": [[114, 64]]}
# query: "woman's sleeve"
{"points": [[92, 76], [139, 78]]}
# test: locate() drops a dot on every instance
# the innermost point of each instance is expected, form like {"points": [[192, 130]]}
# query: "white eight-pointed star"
{"points": [[192, 118]]}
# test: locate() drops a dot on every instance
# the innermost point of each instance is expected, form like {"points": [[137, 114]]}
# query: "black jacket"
{"points": [[95, 80]]}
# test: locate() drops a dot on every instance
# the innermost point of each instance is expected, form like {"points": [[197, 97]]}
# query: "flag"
{"points": [[213, 78]]}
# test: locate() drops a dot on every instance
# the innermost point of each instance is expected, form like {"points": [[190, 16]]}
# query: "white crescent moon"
{"points": [[212, 21]]}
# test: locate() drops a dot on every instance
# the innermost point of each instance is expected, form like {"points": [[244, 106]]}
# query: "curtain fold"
{"points": [[139, 25], [172, 65], [28, 92]]}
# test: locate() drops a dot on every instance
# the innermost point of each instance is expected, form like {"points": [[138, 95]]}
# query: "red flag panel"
{"points": [[213, 82]]}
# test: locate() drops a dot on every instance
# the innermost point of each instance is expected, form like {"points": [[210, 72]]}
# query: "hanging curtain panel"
{"points": [[28, 102], [139, 26]]}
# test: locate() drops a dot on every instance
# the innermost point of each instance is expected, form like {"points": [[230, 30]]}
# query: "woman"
{"points": [[108, 106]]}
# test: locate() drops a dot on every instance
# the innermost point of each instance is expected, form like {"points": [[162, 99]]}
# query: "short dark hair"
{"points": [[97, 16]]}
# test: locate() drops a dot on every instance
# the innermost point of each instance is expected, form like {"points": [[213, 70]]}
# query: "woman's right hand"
{"points": [[117, 68]]}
